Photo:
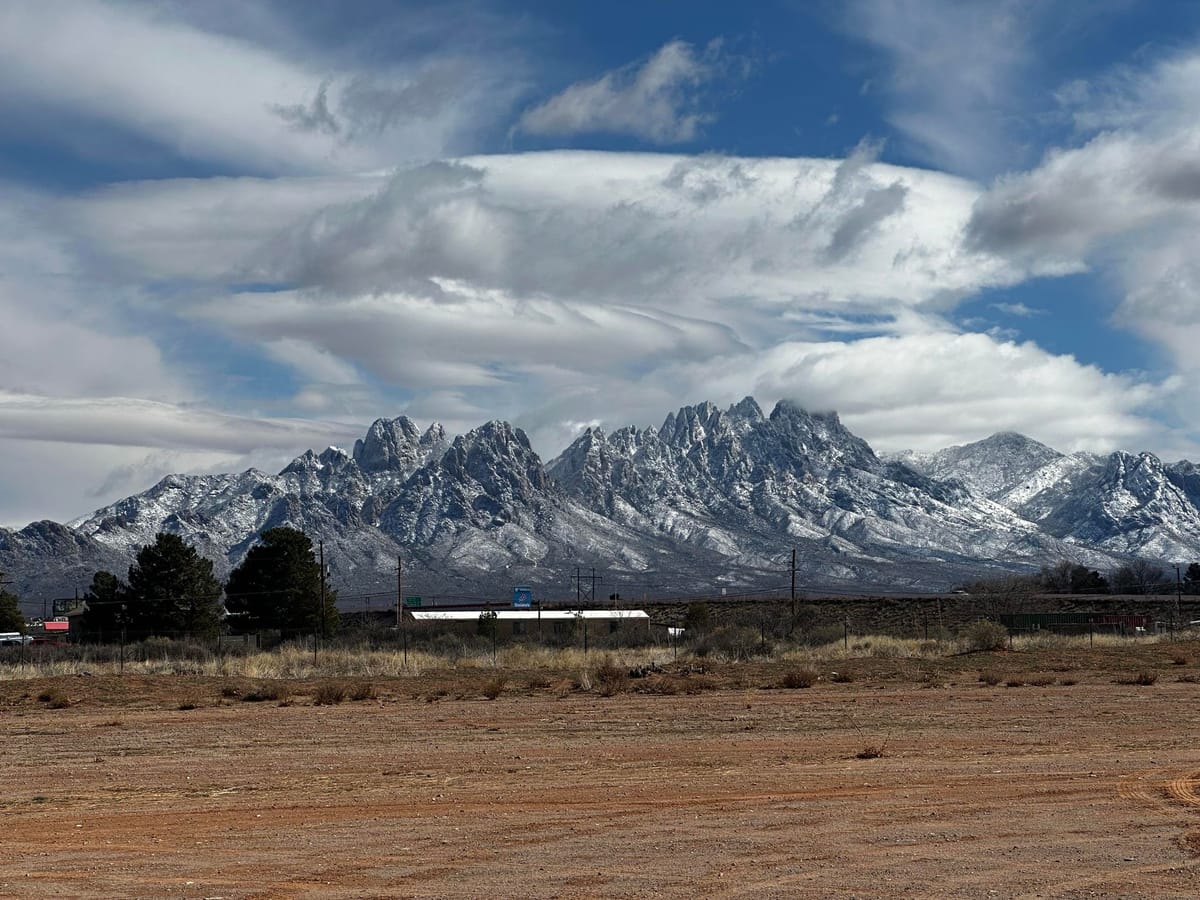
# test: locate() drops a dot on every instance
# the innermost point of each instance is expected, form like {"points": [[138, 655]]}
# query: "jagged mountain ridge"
{"points": [[711, 498], [1122, 503]]}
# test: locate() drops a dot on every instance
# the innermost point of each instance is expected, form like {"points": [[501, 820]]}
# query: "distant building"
{"points": [[519, 623]]}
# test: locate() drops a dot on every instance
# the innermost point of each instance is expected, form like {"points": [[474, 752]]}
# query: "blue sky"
{"points": [[231, 231]]}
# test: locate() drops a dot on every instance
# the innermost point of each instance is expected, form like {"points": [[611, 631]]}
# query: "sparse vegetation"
{"points": [[990, 677], [610, 678], [1144, 677], [329, 693], [799, 678], [266, 692], [494, 686], [985, 635], [362, 690], [54, 698]]}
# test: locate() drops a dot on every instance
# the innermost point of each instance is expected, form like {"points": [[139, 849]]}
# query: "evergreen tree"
{"points": [[279, 586], [172, 591], [1192, 579], [104, 605], [11, 617]]}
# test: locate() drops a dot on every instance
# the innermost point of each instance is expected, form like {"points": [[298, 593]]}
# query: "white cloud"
{"points": [[954, 70], [217, 97], [689, 234], [659, 100], [927, 391], [1125, 202], [61, 457]]}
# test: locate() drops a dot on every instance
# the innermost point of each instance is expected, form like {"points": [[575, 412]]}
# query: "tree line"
{"points": [[1137, 577], [171, 591]]}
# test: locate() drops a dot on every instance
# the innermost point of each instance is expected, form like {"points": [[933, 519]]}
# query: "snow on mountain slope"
{"points": [[990, 467], [713, 497]]}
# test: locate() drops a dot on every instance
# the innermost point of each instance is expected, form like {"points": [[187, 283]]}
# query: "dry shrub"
{"points": [[1179, 659], [494, 687], [988, 676], [872, 751], [537, 682], [1068, 682], [187, 704], [362, 690], [1041, 680], [699, 684], [264, 692], [1015, 682], [611, 679], [1145, 678], [54, 698], [329, 693], [1190, 679], [229, 691], [799, 678], [841, 677], [985, 635]]}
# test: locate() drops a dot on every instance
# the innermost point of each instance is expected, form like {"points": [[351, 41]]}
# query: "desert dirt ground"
{"points": [[715, 784]]}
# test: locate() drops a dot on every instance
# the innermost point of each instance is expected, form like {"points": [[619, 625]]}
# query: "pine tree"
{"points": [[11, 617], [104, 607], [278, 586], [172, 591]]}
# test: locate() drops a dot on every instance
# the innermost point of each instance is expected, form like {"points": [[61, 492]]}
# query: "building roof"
{"points": [[526, 615]]}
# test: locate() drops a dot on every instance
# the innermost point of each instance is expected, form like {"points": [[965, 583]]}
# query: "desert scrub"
{"points": [[329, 693], [799, 678], [1145, 678], [362, 690], [494, 687], [610, 679], [54, 698], [985, 635], [263, 692]]}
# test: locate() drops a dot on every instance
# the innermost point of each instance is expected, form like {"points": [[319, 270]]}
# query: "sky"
{"points": [[231, 231]]}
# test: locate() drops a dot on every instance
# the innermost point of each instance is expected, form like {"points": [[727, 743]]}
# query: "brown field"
{"points": [[1063, 778]]}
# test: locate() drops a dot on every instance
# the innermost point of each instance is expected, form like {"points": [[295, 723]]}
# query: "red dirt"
{"points": [[1083, 790]]}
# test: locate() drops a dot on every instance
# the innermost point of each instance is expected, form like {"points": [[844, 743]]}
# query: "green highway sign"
{"points": [[411, 602]]}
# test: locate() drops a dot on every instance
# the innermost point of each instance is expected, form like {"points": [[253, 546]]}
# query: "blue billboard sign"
{"points": [[522, 598]]}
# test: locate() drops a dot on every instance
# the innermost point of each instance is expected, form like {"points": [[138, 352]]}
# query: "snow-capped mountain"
{"points": [[712, 498], [990, 467], [1121, 503]]}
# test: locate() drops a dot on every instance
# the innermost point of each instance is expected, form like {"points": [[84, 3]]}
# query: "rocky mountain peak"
{"points": [[992, 466], [389, 445], [819, 439], [499, 458]]}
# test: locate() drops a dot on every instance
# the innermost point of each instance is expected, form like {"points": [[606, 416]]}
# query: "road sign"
{"points": [[522, 598], [412, 602]]}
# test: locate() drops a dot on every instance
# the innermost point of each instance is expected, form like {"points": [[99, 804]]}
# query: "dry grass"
{"points": [[329, 693], [799, 678], [610, 678], [1144, 677], [494, 687], [54, 698]]}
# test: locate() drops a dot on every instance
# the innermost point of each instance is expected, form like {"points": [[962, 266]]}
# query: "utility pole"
{"points": [[1178, 601], [593, 579], [317, 638], [401, 626], [793, 588]]}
